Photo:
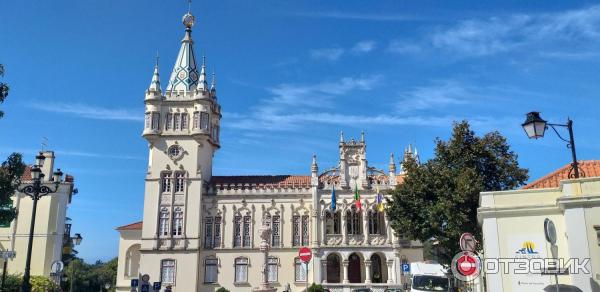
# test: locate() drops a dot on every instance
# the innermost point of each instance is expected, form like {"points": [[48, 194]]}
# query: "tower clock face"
{"points": [[175, 152]]}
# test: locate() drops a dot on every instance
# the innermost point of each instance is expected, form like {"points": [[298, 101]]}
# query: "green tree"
{"points": [[222, 289], [10, 177], [315, 288], [90, 277], [438, 199], [3, 89]]}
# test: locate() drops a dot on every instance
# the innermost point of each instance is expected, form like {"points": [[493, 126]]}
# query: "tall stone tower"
{"points": [[182, 129], [353, 163]]}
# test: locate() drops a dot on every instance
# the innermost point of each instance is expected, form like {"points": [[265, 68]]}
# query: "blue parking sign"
{"points": [[134, 283], [406, 268], [145, 287], [156, 286]]}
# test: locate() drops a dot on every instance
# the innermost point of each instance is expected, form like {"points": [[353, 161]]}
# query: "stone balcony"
{"points": [[351, 239]]}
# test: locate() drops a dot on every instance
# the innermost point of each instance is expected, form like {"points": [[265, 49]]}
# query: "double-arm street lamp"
{"points": [[535, 127], [35, 191]]}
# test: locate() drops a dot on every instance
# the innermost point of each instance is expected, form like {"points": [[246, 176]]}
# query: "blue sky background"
{"points": [[291, 76]]}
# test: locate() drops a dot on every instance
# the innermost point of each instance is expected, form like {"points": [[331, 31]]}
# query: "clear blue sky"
{"points": [[291, 75]]}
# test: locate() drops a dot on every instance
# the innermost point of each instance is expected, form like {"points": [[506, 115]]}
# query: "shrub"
{"points": [[315, 288], [222, 289]]}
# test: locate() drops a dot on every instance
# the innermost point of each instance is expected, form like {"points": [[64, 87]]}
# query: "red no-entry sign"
{"points": [[305, 254]]}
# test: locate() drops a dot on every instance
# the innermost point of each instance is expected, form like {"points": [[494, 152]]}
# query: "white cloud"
{"points": [[437, 95], [402, 47], [499, 34], [363, 47], [330, 54], [75, 153], [89, 111], [335, 53]]}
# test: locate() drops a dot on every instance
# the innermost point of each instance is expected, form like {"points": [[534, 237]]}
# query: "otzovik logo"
{"points": [[528, 248]]}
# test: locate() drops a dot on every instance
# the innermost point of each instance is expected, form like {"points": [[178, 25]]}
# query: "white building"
{"points": [[200, 232], [51, 231]]}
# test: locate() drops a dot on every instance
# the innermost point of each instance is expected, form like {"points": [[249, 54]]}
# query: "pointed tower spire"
{"points": [[213, 83], [392, 166], [362, 136], [202, 84], [314, 168], [185, 74], [341, 137], [155, 83]]}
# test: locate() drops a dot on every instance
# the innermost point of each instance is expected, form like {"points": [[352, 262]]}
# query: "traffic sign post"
{"points": [[305, 255], [135, 283], [467, 242], [406, 268]]}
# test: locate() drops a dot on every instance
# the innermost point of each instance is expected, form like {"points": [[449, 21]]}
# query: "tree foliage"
{"points": [[222, 289], [3, 89], [438, 199], [82, 276], [11, 171], [38, 284], [315, 288]]}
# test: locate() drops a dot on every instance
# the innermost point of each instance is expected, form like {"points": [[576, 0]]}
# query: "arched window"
{"points": [[166, 182], [211, 270], [132, 261], [163, 224], [212, 232], [300, 230], [167, 271], [272, 269], [332, 222], [241, 231], [353, 221], [241, 270], [179, 181], [275, 223], [299, 270], [178, 222], [375, 222]]}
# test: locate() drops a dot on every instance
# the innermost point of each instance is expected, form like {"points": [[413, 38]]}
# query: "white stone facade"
{"points": [[200, 232]]}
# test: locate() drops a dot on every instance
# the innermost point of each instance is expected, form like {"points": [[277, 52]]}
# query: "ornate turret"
{"points": [[213, 85], [154, 91], [392, 170], [202, 84], [353, 163], [184, 77]]}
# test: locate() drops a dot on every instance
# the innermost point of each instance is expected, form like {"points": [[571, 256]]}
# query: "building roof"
{"points": [[589, 168], [262, 181], [26, 177], [132, 226]]}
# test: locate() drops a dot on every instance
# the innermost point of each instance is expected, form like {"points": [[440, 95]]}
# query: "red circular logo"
{"points": [[466, 265], [305, 254]]}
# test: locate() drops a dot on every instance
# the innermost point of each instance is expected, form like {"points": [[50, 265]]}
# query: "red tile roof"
{"points": [[588, 168], [26, 174], [261, 181], [132, 226]]}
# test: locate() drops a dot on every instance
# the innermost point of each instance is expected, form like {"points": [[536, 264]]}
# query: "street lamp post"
{"points": [[535, 127], [36, 191]]}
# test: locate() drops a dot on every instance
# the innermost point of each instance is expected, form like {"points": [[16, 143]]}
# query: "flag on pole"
{"points": [[357, 197], [333, 199], [379, 201]]}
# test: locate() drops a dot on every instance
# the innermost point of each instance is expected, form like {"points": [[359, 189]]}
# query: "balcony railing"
{"points": [[375, 287]]}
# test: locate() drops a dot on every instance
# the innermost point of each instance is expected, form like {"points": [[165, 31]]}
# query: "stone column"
{"points": [[388, 229], [324, 271], [265, 234], [365, 219], [390, 271], [367, 271], [345, 265], [344, 228], [323, 230]]}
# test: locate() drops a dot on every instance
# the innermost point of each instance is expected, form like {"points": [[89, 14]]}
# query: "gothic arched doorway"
{"points": [[354, 268], [333, 268], [376, 269]]}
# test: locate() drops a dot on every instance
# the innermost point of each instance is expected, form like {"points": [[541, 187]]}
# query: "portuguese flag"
{"points": [[357, 197]]}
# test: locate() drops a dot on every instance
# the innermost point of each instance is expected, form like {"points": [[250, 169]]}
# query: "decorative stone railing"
{"points": [[334, 239], [375, 287]]}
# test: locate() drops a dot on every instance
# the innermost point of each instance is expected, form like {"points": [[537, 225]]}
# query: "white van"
{"points": [[428, 276]]}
